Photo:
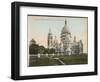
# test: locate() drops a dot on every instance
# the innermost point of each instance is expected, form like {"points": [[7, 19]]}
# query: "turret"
{"points": [[50, 38], [74, 39]]}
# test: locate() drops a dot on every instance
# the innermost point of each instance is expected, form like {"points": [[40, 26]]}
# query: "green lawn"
{"points": [[74, 59], [43, 61], [68, 60]]}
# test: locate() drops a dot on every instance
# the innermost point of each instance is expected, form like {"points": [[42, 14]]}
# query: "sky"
{"points": [[38, 28]]}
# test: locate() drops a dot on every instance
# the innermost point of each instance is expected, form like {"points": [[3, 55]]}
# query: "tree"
{"points": [[34, 49], [51, 51], [41, 49], [46, 50]]}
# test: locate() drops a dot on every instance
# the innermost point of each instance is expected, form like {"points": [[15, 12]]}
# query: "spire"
{"points": [[74, 38], [50, 39], [65, 22]]}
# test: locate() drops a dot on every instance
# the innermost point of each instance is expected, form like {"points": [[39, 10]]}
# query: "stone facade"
{"points": [[66, 46]]}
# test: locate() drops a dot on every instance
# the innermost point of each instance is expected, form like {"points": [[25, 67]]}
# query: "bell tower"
{"points": [[50, 39]]}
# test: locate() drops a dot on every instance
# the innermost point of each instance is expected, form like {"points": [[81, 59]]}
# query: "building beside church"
{"points": [[66, 45]]}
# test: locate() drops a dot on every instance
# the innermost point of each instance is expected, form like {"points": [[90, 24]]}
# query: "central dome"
{"points": [[65, 28]]}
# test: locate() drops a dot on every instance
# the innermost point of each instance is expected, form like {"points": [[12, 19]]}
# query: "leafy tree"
{"points": [[51, 51], [34, 49], [41, 49], [46, 50]]}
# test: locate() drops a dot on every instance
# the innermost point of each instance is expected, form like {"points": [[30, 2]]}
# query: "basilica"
{"points": [[66, 46]]}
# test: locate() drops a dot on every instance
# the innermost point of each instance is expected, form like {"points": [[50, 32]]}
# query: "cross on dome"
{"points": [[65, 29]]}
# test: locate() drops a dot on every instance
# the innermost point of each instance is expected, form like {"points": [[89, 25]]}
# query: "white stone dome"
{"points": [[65, 29]]}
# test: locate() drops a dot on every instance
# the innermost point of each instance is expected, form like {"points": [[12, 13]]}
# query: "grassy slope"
{"points": [[68, 60], [74, 59]]}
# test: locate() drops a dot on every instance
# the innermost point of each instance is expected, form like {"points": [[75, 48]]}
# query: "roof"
{"points": [[65, 28], [33, 41]]}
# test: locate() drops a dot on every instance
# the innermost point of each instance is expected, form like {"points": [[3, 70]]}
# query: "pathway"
{"points": [[60, 61]]}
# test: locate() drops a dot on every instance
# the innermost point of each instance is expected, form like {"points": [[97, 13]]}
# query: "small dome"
{"points": [[33, 41]]}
